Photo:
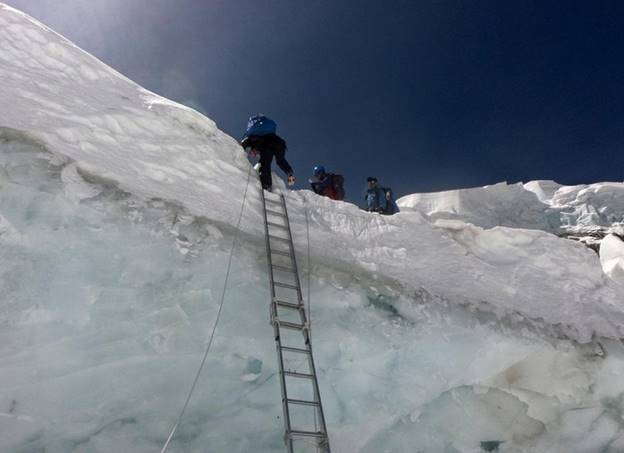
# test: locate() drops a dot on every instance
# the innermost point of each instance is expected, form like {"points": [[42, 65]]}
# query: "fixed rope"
{"points": [[309, 291], [309, 269], [214, 327]]}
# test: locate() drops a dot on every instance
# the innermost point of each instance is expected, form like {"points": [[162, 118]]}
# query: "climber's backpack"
{"points": [[260, 125]]}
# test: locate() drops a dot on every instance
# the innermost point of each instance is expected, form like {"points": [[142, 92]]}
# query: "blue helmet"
{"points": [[318, 170]]}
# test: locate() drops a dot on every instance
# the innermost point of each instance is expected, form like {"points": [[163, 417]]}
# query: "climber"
{"points": [[374, 196], [261, 140], [327, 184], [379, 199]]}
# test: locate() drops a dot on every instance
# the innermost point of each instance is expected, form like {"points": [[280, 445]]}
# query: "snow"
{"points": [[590, 206], [612, 257], [544, 190], [498, 205], [543, 205], [456, 317], [112, 130]]}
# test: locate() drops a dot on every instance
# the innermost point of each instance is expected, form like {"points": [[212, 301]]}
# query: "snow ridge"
{"points": [[153, 148]]}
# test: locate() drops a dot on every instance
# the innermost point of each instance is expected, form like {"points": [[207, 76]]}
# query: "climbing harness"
{"points": [[301, 401], [214, 327]]}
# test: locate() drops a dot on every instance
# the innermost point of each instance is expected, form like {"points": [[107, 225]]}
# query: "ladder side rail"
{"points": [[316, 390], [272, 306], [285, 408], [317, 396], [276, 330], [302, 313], [292, 249], [268, 244]]}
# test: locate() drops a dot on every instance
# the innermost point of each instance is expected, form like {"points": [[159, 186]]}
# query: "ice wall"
{"points": [[109, 298]]}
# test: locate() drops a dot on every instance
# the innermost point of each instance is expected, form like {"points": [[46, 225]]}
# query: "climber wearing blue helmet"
{"points": [[327, 184], [260, 140]]}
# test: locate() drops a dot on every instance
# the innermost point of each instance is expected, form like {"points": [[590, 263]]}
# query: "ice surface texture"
{"points": [[116, 212], [107, 302], [543, 205]]}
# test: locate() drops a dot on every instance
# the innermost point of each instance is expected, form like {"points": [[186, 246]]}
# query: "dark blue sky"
{"points": [[427, 95]]}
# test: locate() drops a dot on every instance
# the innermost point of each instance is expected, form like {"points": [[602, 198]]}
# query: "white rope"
{"points": [[309, 272], [309, 302], [214, 327]]}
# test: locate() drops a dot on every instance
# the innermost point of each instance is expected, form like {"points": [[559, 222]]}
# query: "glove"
{"points": [[291, 180]]}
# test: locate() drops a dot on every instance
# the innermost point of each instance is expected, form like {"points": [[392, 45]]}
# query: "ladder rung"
{"points": [[277, 225], [280, 252], [277, 238], [286, 285], [290, 325], [298, 350], [303, 402], [298, 375], [273, 201], [275, 213], [283, 268], [285, 304], [317, 434]]}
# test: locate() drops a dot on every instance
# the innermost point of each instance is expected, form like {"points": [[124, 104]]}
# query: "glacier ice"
{"points": [[612, 257], [106, 316], [456, 325], [465, 418]]}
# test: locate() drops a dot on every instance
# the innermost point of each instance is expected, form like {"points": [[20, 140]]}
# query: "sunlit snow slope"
{"points": [[151, 147], [432, 332], [542, 205]]}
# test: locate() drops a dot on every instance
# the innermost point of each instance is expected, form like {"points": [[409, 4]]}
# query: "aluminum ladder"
{"points": [[304, 421]]}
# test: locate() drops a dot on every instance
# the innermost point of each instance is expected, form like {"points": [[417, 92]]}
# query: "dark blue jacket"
{"points": [[375, 199], [319, 186]]}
